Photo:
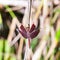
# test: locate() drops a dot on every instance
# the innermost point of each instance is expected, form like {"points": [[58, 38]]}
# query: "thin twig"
{"points": [[25, 20], [45, 8], [19, 53], [35, 20], [15, 40], [55, 17]]}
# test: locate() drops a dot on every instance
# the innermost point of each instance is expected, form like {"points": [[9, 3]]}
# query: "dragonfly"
{"points": [[29, 33]]}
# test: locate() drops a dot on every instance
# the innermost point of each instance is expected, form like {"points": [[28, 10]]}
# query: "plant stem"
{"points": [[19, 53]]}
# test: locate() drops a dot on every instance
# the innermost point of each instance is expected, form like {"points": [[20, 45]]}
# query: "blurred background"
{"points": [[44, 14]]}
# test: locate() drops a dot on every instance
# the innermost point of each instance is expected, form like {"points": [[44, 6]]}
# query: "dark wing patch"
{"points": [[23, 29], [32, 28], [34, 34]]}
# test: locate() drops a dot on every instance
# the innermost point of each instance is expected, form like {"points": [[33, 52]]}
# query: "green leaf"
{"points": [[58, 35], [34, 42], [57, 10], [8, 50], [12, 49], [1, 48], [12, 58], [10, 11], [42, 58], [7, 47], [1, 23], [1, 45], [0, 19]]}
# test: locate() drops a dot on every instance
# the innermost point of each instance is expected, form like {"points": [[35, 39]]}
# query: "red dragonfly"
{"points": [[29, 33]]}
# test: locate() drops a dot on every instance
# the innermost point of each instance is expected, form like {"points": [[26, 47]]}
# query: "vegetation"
{"points": [[30, 30]]}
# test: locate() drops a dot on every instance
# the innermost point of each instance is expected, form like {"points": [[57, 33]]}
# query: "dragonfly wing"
{"points": [[32, 28], [34, 34], [23, 29]]}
